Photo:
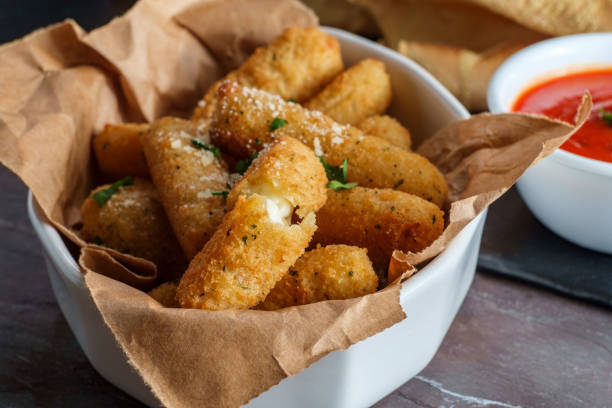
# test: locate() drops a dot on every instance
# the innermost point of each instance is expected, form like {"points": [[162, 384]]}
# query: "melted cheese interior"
{"points": [[278, 208]]}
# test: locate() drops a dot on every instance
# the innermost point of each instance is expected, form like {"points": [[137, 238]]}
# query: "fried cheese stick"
{"points": [[295, 66], [256, 242], [247, 119], [133, 221], [118, 150], [190, 176], [388, 128], [380, 220], [329, 273], [361, 91]]}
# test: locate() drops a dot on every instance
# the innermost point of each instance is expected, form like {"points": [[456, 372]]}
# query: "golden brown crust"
{"points": [[362, 90], [186, 177], [289, 169], [165, 294], [380, 220], [133, 221], [387, 128], [295, 66], [329, 273], [244, 259], [241, 125], [256, 242], [118, 150]]}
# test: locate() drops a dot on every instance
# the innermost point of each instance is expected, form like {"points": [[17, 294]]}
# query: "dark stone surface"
{"points": [[516, 244]]}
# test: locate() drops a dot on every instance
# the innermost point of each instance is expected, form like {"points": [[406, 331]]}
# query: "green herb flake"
{"points": [[398, 183], [97, 240], [243, 165], [245, 239], [245, 287], [293, 272], [606, 116], [336, 185], [337, 175], [277, 123], [350, 273], [102, 196], [223, 193], [253, 226], [211, 148]]}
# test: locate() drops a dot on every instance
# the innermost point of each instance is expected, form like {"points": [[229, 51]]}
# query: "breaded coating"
{"points": [[118, 150], [388, 128], [165, 294], [257, 242], [362, 90], [248, 119], [295, 66], [133, 221], [286, 169], [189, 179], [330, 273], [244, 259], [380, 220]]}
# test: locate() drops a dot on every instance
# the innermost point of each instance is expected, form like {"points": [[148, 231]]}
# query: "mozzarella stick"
{"points": [[361, 91], [333, 272], [118, 150], [388, 128], [257, 241], [131, 219], [380, 220], [247, 119], [295, 66], [191, 179]]}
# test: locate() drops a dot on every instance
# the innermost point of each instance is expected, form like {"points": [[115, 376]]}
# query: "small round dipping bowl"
{"points": [[568, 193]]}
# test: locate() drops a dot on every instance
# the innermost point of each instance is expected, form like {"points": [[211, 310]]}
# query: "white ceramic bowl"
{"points": [[570, 194], [365, 372]]}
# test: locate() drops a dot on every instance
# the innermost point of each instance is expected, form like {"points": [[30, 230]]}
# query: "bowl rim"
{"points": [[522, 57]]}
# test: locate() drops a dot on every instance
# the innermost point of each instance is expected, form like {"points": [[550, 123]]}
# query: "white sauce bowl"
{"points": [[568, 193]]}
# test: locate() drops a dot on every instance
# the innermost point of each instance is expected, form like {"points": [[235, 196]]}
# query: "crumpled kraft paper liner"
{"points": [[60, 85], [482, 157], [462, 42]]}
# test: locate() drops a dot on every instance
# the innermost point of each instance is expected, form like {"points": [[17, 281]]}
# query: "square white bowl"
{"points": [[365, 372]]}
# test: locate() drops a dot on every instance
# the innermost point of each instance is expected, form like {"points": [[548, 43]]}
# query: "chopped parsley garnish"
{"points": [[223, 193], [243, 165], [336, 185], [277, 123], [350, 273], [211, 148], [245, 239], [97, 240], [102, 196], [337, 175], [606, 116]]}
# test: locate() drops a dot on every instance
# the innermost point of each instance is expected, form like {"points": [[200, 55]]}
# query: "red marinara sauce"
{"points": [[559, 98]]}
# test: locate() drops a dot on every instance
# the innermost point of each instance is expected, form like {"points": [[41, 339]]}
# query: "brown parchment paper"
{"points": [[462, 42], [60, 85]]}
